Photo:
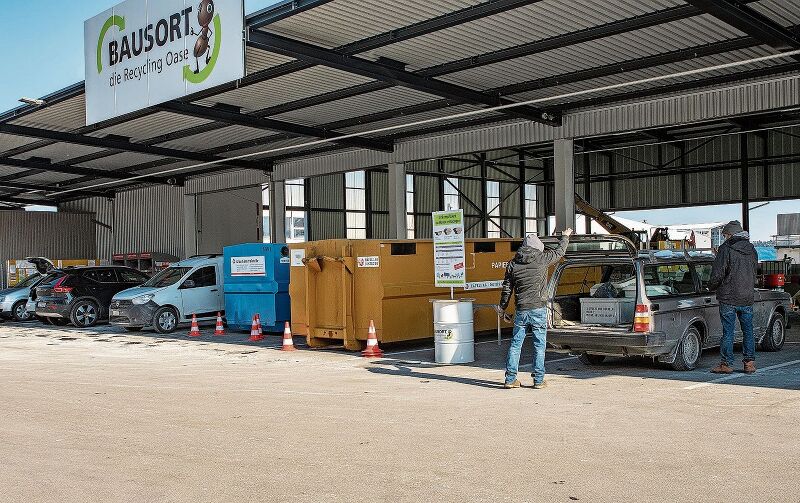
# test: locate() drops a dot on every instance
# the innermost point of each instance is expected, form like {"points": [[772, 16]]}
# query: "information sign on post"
{"points": [[449, 252]]}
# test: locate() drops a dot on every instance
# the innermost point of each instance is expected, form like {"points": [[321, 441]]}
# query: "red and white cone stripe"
{"points": [[372, 350], [288, 343]]}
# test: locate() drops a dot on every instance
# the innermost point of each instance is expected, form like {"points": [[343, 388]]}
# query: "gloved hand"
{"points": [[499, 310]]}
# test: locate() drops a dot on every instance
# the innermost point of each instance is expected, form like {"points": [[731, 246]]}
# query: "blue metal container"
{"points": [[257, 282]]}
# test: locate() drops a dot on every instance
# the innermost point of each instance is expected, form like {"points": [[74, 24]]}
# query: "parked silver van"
{"points": [[609, 299]]}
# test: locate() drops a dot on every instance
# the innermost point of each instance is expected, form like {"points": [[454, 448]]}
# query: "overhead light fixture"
{"points": [[32, 101]]}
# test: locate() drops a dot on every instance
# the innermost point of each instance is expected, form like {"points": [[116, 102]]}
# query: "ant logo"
{"points": [[205, 15]]}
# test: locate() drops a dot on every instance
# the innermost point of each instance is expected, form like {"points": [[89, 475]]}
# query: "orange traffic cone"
{"points": [[288, 344], [220, 330], [195, 330], [254, 331], [260, 330], [372, 350]]}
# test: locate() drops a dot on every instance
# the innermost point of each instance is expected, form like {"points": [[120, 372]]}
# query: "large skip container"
{"points": [[257, 281], [338, 286]]}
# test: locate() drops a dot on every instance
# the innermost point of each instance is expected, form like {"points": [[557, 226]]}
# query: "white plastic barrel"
{"points": [[453, 331]]}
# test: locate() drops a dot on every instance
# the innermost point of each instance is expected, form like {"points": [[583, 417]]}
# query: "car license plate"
{"points": [[42, 304], [115, 312]]}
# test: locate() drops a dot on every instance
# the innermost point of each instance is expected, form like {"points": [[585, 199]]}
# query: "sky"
{"points": [[42, 43], [43, 52]]}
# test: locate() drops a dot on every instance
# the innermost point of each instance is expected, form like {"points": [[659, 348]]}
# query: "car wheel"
{"points": [[776, 334], [84, 314], [57, 322], [590, 359], [689, 350], [133, 329], [20, 311], [165, 320]]}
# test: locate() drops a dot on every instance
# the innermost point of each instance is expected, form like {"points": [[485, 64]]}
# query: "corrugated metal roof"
{"points": [[64, 116], [224, 136], [357, 106], [120, 161], [59, 152], [652, 72], [783, 12], [640, 43], [514, 27], [342, 21], [295, 86], [152, 126], [8, 142]]}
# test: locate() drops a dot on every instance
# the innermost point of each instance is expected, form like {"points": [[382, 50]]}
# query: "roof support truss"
{"points": [[396, 76], [751, 22]]}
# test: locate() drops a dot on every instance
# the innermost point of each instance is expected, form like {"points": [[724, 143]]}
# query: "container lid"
{"points": [[450, 300]]}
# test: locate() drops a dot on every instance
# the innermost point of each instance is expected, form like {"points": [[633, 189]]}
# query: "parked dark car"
{"points": [[81, 295]]}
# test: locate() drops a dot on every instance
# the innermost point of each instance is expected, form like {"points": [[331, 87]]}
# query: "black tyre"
{"points": [[84, 313], [776, 334], [57, 322], [19, 311], [165, 321], [590, 359], [690, 348], [133, 329]]}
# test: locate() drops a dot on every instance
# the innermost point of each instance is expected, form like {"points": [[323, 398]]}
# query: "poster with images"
{"points": [[449, 252]]}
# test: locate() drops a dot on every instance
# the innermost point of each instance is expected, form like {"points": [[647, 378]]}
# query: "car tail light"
{"points": [[59, 287], [642, 319]]}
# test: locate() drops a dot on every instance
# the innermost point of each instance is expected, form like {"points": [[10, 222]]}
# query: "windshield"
{"points": [[28, 282], [167, 277]]}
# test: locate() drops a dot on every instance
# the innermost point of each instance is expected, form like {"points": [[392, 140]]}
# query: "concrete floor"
{"points": [[103, 415]]}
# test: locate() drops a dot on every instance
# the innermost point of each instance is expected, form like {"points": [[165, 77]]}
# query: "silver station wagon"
{"points": [[609, 299]]}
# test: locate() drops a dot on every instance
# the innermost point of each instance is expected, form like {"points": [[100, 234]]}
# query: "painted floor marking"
{"points": [[737, 376]]}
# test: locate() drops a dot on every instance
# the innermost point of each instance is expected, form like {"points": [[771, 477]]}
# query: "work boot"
{"points": [[510, 385], [750, 367], [722, 368], [540, 385]]}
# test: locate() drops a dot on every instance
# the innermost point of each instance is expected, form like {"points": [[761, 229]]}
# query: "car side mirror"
{"points": [[189, 283]]}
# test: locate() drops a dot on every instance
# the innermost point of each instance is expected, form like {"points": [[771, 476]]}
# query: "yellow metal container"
{"points": [[338, 286]]}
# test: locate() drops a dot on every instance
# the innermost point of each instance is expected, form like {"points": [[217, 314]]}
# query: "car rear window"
{"points": [[666, 280]]}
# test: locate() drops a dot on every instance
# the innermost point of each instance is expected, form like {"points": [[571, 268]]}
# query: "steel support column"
{"points": [[277, 211], [744, 155], [564, 168], [397, 200]]}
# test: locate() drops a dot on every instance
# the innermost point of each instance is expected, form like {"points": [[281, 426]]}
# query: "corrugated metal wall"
{"points": [[152, 218], [46, 234]]}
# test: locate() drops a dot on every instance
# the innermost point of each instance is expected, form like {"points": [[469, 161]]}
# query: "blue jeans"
{"points": [[537, 320], [729, 313]]}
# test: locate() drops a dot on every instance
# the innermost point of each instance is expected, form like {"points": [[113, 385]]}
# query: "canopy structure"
{"points": [[321, 69]]}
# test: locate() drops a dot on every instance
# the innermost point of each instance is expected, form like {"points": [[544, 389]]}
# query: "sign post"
{"points": [[449, 251]]}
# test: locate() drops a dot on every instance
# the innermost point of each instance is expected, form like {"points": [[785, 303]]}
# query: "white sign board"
{"points": [[449, 252], [368, 261], [248, 266], [141, 53], [297, 258], [484, 285]]}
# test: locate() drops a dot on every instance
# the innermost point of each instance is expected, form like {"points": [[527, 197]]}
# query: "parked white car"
{"points": [[191, 286]]}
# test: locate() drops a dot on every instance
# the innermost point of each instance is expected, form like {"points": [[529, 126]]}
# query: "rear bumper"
{"points": [[615, 343], [52, 309], [6, 306]]}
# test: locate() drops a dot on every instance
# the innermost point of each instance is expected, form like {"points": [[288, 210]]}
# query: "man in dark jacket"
{"points": [[734, 278], [526, 277]]}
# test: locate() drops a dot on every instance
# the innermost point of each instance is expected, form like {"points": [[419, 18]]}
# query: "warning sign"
{"points": [[368, 261]]}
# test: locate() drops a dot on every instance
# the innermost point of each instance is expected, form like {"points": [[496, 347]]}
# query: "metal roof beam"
{"points": [[48, 188], [556, 42], [230, 117], [281, 11], [366, 68], [68, 169], [118, 144], [751, 22], [18, 200], [682, 86]]}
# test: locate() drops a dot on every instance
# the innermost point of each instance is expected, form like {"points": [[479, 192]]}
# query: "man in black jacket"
{"points": [[526, 278], [734, 278]]}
